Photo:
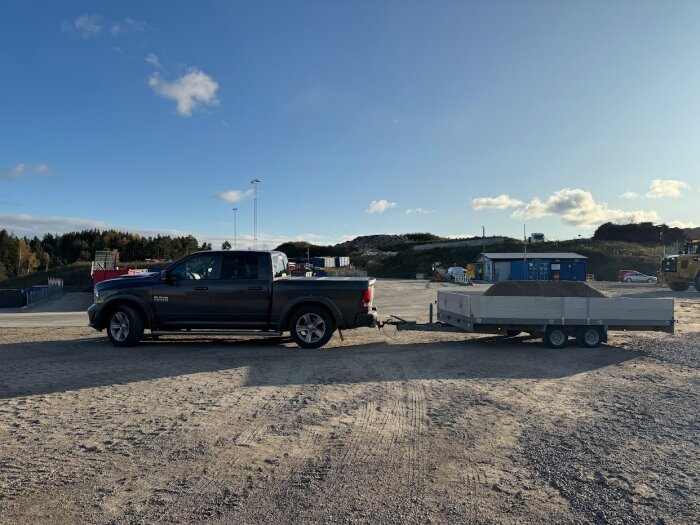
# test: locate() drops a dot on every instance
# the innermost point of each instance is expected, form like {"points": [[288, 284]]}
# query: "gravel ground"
{"points": [[381, 428]]}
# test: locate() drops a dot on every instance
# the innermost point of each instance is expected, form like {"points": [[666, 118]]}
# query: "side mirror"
{"points": [[169, 277]]}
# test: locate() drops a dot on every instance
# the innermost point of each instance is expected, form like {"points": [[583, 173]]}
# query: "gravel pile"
{"points": [[543, 289]]}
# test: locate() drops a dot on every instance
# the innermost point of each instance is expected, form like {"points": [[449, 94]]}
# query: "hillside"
{"points": [[76, 278], [605, 258]]}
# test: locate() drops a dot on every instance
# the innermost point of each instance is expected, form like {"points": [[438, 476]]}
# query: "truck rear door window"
{"points": [[240, 266]]}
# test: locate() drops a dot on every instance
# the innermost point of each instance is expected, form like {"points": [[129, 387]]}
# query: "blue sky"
{"points": [[357, 117]]}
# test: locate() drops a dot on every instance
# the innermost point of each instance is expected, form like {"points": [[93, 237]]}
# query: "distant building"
{"points": [[546, 266]]}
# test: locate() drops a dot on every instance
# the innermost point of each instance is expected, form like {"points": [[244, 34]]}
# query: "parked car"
{"points": [[638, 277], [621, 274], [242, 293]]}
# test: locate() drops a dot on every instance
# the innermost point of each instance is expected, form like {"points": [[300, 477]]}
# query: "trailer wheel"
{"points": [[555, 337], [589, 337], [311, 327], [679, 287]]}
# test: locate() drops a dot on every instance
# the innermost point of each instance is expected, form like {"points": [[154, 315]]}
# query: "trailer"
{"points": [[555, 319]]}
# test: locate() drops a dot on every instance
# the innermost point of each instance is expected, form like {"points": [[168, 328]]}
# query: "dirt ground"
{"points": [[384, 427]]}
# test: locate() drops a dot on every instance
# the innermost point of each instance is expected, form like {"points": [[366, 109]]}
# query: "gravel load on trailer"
{"points": [[543, 289]]}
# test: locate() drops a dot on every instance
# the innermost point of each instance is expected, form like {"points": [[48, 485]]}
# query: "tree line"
{"points": [[643, 232], [20, 256]]}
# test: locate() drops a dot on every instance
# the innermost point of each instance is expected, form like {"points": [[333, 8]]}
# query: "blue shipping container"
{"points": [[572, 271], [537, 270]]}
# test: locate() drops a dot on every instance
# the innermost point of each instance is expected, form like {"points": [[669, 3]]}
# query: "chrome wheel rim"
{"points": [[119, 326], [591, 337], [557, 337], [311, 328]]}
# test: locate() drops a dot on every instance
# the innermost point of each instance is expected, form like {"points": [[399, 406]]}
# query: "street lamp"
{"points": [[255, 182], [235, 233]]}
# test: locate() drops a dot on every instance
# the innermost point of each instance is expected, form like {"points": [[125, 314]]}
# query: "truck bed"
{"points": [[480, 313]]}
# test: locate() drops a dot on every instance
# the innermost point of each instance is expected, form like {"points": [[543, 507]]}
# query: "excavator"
{"points": [[682, 270]]}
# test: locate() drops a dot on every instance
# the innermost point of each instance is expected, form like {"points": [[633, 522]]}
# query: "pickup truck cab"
{"points": [[231, 293]]}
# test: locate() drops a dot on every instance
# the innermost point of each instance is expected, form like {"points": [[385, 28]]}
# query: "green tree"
{"points": [[225, 245]]}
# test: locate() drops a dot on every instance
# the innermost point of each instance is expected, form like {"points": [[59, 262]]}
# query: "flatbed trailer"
{"points": [[555, 319]]}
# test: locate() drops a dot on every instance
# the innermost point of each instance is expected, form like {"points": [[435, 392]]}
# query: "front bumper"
{"points": [[94, 316], [369, 319]]}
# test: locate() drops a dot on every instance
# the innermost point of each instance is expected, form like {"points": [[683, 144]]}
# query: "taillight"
{"points": [[367, 297]]}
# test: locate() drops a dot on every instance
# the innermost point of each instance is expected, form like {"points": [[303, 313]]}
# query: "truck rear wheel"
{"points": [[680, 287], [589, 337], [311, 327], [555, 337], [125, 326]]}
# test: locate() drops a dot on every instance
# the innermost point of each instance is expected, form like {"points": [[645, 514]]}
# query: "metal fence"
{"points": [[36, 294]]}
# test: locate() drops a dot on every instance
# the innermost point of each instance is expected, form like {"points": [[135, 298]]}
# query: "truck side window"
{"points": [[240, 266], [196, 267]]}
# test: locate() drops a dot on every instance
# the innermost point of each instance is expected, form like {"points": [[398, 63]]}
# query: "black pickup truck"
{"points": [[231, 293]]}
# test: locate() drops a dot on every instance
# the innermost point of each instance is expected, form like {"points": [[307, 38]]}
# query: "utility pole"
{"points": [[235, 232], [525, 248], [255, 182]]}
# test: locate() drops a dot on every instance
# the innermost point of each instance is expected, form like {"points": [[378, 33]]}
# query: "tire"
{"points": [[650, 280], [589, 337], [697, 282], [681, 287], [125, 326], [317, 318], [555, 337], [512, 333], [628, 280]]}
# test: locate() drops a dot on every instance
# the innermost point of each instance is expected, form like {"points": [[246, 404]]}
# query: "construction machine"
{"points": [[682, 270]]}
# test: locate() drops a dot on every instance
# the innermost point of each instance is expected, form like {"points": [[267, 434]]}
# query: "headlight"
{"points": [[96, 298]]}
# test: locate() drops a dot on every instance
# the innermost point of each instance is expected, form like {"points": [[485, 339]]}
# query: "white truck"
{"points": [[555, 319]]}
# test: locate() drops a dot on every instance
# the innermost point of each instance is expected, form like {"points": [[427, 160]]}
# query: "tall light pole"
{"points": [[255, 182], [235, 233]]}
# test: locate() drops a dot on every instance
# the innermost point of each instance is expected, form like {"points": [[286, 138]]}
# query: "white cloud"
{"points": [[14, 172], [666, 188], [578, 208], [630, 195], [235, 195], [88, 25], [682, 224], [152, 59], [499, 203], [380, 206], [129, 25], [21, 169], [419, 211], [190, 91]]}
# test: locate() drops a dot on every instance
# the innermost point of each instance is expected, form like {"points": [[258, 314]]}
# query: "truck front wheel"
{"points": [[125, 326], [679, 287], [311, 327]]}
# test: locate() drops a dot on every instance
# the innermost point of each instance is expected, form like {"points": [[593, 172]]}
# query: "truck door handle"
{"points": [[255, 288], [201, 288]]}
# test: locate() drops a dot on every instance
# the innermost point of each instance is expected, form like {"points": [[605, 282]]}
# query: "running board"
{"points": [[224, 333]]}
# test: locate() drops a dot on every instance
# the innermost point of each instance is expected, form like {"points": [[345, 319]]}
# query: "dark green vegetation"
{"points": [[76, 278], [644, 232]]}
